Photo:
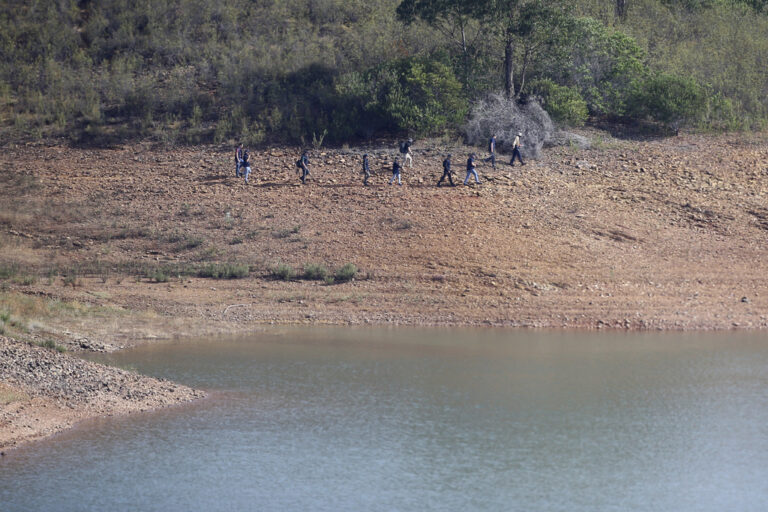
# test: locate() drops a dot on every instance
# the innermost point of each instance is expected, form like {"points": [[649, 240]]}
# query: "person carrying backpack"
{"points": [[471, 169], [446, 172], [396, 168], [405, 150], [516, 150], [238, 159], [303, 164], [366, 170]]}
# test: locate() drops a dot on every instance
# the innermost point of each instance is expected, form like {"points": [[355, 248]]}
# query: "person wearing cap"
{"points": [[366, 170], [471, 170], [516, 150], [446, 172], [396, 168]]}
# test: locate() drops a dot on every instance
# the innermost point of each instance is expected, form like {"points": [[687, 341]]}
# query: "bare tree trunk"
{"points": [[526, 59], [509, 69], [621, 9]]}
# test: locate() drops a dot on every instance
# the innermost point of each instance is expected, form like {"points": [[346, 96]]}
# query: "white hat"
{"points": [[519, 134]]}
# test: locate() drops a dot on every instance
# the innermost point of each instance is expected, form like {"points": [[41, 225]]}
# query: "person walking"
{"points": [[471, 169], [405, 150], [246, 164], [238, 159], [516, 150], [396, 168], [492, 151], [446, 172], [304, 165], [366, 170]]}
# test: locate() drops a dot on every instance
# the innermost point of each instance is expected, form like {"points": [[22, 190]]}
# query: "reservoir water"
{"points": [[422, 420]]}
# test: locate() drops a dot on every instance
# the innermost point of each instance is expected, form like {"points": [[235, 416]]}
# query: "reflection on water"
{"points": [[353, 419]]}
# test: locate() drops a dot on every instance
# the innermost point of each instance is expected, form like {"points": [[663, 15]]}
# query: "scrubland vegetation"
{"points": [[332, 71]]}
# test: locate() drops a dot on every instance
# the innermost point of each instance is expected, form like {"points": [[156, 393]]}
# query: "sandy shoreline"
{"points": [[104, 249]]}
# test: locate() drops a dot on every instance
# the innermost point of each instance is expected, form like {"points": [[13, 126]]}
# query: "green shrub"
{"points": [[157, 275], [670, 99], [315, 272], [564, 104], [224, 271], [345, 273], [282, 272]]}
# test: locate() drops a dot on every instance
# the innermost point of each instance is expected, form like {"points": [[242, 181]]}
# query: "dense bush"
{"points": [[563, 104], [670, 99]]}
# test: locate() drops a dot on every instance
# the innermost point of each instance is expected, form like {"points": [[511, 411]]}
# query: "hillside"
{"points": [[655, 234]]}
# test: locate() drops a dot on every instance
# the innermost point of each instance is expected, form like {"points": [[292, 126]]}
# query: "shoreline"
{"points": [[658, 234]]}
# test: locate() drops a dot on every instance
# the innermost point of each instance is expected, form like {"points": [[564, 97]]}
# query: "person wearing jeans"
{"points": [[396, 168], [471, 169]]}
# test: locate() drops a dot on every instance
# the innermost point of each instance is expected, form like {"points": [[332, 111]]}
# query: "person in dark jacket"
{"points": [[471, 169], [396, 168], [492, 151], [304, 161], [238, 159], [366, 170], [246, 164], [446, 172]]}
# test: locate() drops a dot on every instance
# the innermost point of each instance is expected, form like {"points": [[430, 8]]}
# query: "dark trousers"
{"points": [[304, 174], [446, 174], [492, 159], [367, 175], [516, 153]]}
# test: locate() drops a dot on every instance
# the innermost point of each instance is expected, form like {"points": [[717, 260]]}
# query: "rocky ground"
{"points": [[42, 392], [634, 233]]}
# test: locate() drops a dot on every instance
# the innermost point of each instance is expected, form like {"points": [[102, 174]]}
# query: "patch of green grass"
{"points": [[24, 279], [8, 270], [158, 275], [315, 272], [345, 273], [52, 345], [224, 271], [282, 272]]}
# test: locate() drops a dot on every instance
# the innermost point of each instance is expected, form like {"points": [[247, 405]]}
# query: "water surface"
{"points": [[412, 419]]}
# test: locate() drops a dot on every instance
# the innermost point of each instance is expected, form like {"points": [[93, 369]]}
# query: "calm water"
{"points": [[417, 420]]}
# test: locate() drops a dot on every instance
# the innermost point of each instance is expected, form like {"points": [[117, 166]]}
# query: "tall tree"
{"points": [[524, 27]]}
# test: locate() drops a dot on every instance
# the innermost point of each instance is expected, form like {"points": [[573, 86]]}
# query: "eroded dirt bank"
{"points": [[652, 234]]}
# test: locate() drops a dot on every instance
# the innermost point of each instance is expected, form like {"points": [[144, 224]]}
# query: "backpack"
{"points": [[403, 147], [298, 163]]}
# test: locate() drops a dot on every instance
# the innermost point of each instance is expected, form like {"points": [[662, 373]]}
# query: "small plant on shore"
{"points": [[224, 271], [315, 272], [345, 273], [8, 271], [282, 272], [25, 279], [52, 345], [317, 142], [158, 275]]}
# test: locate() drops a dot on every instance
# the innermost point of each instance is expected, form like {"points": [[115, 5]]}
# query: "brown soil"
{"points": [[632, 234]]}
